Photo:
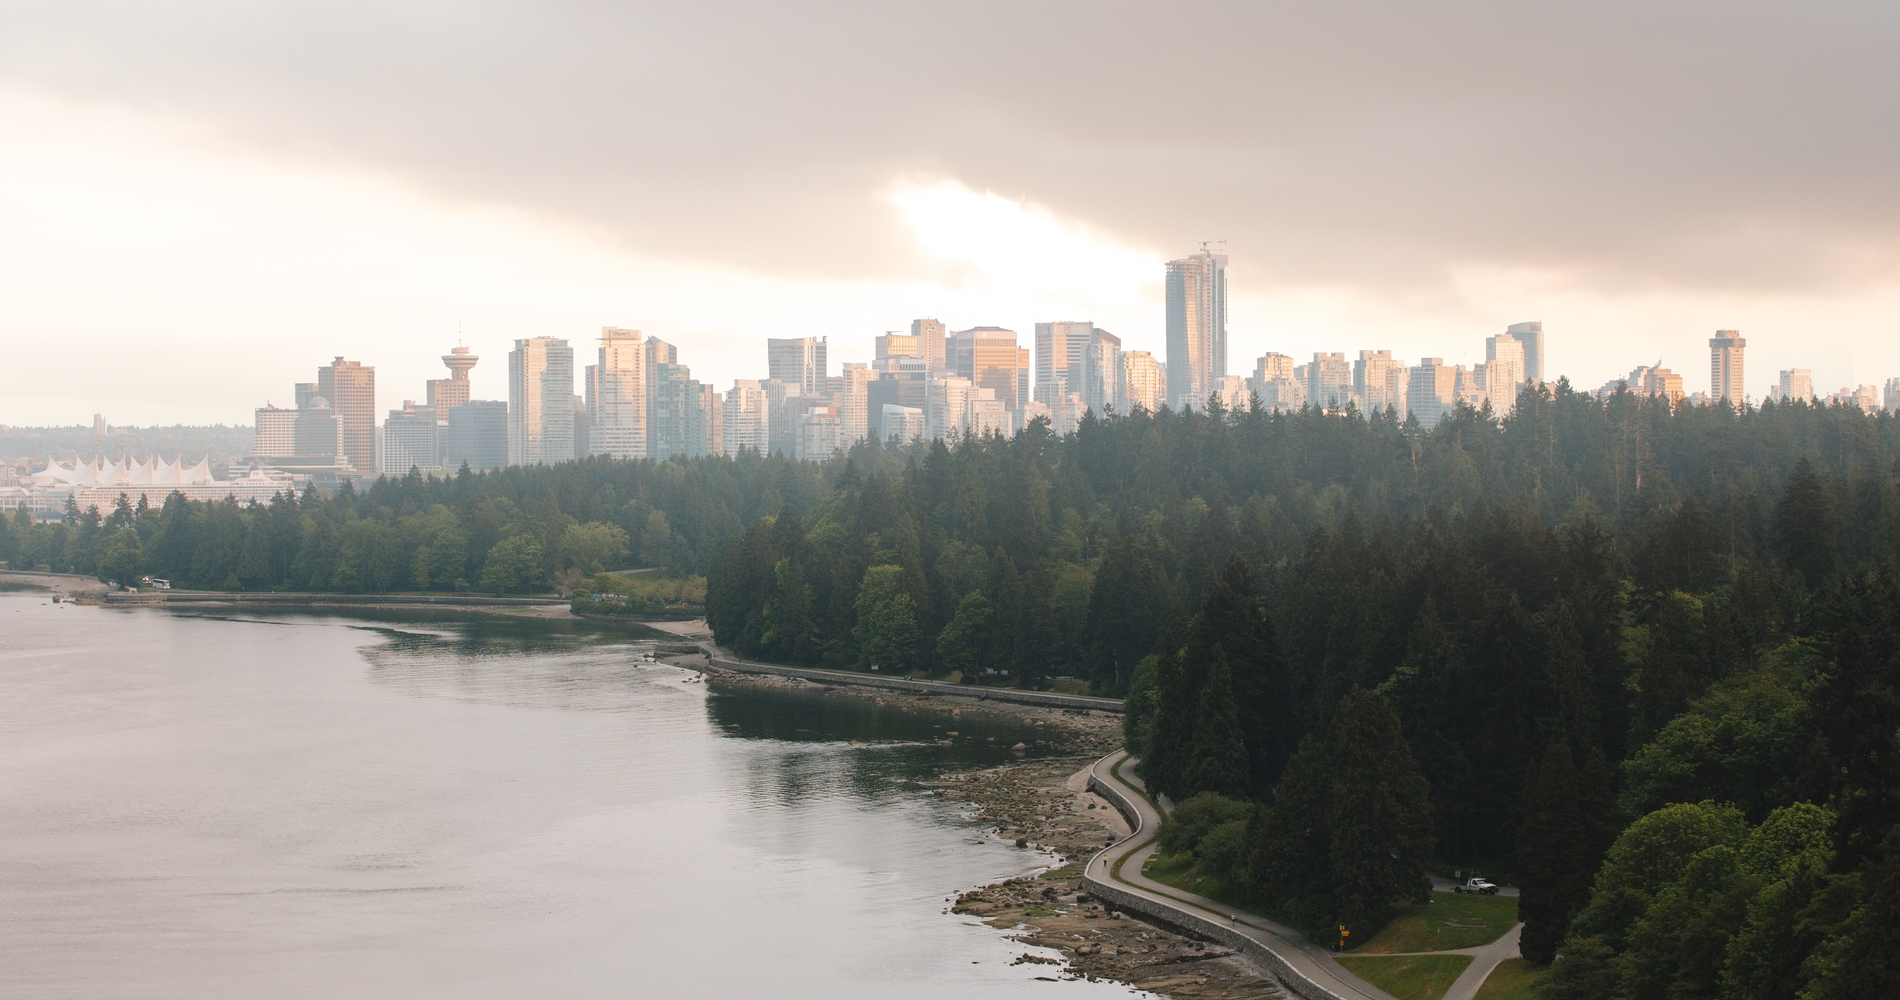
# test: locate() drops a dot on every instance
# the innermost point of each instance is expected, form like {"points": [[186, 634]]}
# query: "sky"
{"points": [[201, 202]]}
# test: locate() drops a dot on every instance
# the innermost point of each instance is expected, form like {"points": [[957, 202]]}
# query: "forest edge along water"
{"points": [[181, 804]]}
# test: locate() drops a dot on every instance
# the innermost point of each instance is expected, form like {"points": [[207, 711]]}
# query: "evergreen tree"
{"points": [[1804, 527], [1556, 855], [1177, 706], [1217, 761], [1380, 814], [1234, 618], [961, 644]]}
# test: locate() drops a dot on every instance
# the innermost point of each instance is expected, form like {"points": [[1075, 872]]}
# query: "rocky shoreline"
{"points": [[1045, 803]]}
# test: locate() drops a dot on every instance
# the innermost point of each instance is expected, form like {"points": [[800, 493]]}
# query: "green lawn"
{"points": [[1513, 979], [1177, 871], [1408, 977], [1450, 920]]}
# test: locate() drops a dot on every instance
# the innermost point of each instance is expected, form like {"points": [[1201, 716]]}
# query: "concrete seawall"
{"points": [[1046, 699], [1284, 973], [158, 597], [1299, 967]]}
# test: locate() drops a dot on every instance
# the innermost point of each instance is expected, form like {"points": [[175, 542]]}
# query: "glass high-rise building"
{"points": [[617, 395], [1197, 327], [351, 389], [540, 401], [478, 435], [1531, 335], [798, 361], [989, 358]]}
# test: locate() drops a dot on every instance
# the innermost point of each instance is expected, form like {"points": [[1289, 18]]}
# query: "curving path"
{"points": [[1303, 967]]}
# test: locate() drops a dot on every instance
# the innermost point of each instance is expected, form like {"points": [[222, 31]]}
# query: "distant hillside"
{"points": [[221, 443]]}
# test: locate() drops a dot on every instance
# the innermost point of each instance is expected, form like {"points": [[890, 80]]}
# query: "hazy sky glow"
{"points": [[200, 203]]}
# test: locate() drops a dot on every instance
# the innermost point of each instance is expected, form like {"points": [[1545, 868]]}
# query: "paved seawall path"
{"points": [[724, 660], [1306, 969]]}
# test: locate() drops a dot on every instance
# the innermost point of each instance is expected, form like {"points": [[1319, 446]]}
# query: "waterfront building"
{"points": [[1468, 386], [989, 358], [477, 434], [1143, 383], [540, 401], [1197, 327], [1431, 392], [445, 394], [351, 389], [411, 440], [1892, 395], [1725, 367], [798, 361], [305, 391], [1531, 335], [746, 422], [902, 382], [274, 432]]}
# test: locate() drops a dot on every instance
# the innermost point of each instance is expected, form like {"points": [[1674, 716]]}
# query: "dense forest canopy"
{"points": [[1366, 648], [1642, 660], [517, 529]]}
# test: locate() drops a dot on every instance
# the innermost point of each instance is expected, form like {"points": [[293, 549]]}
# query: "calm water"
{"points": [[290, 806]]}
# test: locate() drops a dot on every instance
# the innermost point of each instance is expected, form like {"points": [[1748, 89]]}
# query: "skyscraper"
{"points": [[410, 440], [445, 394], [854, 411], [1504, 364], [540, 401], [1060, 348], [1725, 367], [1373, 383], [351, 389], [1531, 335], [932, 343], [1142, 380], [746, 423], [1329, 381], [618, 395], [988, 357], [1102, 373], [1796, 384], [897, 345], [1432, 391], [1197, 327], [797, 361], [478, 435]]}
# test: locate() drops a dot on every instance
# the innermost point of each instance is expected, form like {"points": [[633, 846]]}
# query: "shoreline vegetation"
{"points": [[1043, 804], [1542, 645]]}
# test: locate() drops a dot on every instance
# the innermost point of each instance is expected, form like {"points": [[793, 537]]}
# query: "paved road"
{"points": [[1120, 867]]}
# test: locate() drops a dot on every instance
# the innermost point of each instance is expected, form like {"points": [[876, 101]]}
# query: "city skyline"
{"points": [[1359, 178]]}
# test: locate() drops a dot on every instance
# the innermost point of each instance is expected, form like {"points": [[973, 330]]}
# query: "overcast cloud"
{"points": [[1628, 172]]}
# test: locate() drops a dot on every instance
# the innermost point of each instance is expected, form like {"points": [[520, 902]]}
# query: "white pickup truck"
{"points": [[1477, 885]]}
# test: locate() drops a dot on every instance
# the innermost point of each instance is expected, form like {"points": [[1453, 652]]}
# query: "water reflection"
{"points": [[403, 805]]}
